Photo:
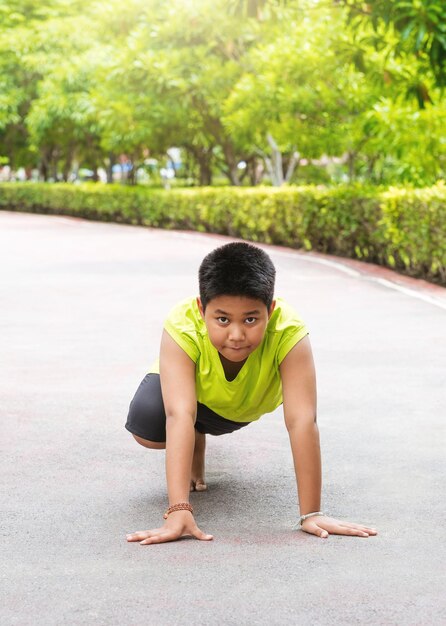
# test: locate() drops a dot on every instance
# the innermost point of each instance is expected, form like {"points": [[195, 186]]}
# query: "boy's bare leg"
{"points": [[197, 482]]}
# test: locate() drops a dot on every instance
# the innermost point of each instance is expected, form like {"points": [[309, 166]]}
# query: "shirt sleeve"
{"points": [[289, 340], [181, 326], [184, 340], [291, 328]]}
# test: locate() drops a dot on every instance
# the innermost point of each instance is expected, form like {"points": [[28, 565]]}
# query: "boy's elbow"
{"points": [[303, 422], [178, 415]]}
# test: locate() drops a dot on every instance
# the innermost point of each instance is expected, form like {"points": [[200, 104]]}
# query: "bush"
{"points": [[399, 228]]}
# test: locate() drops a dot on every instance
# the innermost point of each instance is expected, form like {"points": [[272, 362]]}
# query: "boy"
{"points": [[226, 358]]}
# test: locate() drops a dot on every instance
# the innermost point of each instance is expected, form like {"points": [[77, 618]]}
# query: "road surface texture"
{"points": [[81, 311]]}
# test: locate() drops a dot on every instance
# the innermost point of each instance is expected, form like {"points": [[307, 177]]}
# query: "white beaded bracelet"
{"points": [[304, 517]]}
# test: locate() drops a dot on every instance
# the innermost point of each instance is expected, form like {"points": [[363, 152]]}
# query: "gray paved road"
{"points": [[81, 310]]}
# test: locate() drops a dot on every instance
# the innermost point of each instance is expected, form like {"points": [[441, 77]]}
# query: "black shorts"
{"points": [[147, 418]]}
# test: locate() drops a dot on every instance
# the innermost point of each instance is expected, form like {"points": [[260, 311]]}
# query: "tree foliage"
{"points": [[290, 90], [420, 24]]}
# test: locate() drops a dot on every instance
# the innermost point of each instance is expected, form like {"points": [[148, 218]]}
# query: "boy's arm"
{"points": [[177, 372], [299, 402]]}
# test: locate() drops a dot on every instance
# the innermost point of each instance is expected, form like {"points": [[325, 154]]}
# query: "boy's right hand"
{"points": [[178, 524]]}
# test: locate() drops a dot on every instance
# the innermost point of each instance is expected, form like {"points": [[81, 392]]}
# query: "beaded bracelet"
{"points": [[181, 506]]}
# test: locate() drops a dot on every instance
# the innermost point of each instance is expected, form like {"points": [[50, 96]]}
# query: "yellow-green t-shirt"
{"points": [[257, 388]]}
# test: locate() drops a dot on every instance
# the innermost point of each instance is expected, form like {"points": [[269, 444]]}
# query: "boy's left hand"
{"points": [[322, 526]]}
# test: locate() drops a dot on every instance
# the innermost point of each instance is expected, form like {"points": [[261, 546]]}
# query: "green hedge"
{"points": [[400, 228]]}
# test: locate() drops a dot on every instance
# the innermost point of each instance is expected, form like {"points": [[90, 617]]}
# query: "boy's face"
{"points": [[236, 324]]}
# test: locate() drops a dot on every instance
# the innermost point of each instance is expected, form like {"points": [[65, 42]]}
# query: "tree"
{"points": [[420, 24], [170, 80], [291, 105], [38, 48], [62, 120], [271, 83]]}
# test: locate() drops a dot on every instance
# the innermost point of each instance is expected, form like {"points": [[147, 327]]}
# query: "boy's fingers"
{"points": [[198, 534], [314, 529], [330, 526], [160, 538], [161, 535], [142, 534], [345, 530], [138, 536], [364, 529]]}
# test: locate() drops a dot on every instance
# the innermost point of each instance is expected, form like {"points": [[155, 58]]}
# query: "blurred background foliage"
{"points": [[247, 91]]}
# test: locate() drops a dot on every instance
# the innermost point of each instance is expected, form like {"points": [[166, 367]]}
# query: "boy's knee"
{"points": [[154, 445]]}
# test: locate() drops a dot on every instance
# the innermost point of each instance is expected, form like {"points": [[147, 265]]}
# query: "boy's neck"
{"points": [[231, 368]]}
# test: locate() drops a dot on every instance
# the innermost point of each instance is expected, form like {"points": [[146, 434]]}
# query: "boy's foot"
{"points": [[197, 482], [198, 485]]}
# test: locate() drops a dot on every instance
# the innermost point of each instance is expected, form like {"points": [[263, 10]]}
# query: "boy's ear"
{"points": [[200, 307], [271, 308]]}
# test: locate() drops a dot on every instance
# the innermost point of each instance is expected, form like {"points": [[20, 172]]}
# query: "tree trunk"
{"points": [[43, 169], [371, 167], [44, 165], [203, 158], [292, 164], [54, 160], [255, 171], [233, 175], [351, 165], [205, 176], [67, 166], [131, 178], [109, 163], [232, 171], [275, 166]]}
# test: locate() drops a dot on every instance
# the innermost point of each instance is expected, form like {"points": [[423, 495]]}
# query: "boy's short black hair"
{"points": [[237, 269]]}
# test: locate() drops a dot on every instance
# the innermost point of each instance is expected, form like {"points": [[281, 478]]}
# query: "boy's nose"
{"points": [[236, 333]]}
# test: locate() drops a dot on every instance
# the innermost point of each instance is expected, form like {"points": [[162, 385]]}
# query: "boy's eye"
{"points": [[251, 320], [222, 320]]}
